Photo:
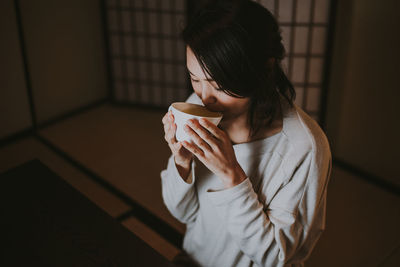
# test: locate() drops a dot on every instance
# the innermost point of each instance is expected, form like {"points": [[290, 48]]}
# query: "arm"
{"points": [[180, 196], [177, 181], [288, 228]]}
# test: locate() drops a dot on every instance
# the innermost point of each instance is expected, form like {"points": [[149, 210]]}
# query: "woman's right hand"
{"points": [[182, 156]]}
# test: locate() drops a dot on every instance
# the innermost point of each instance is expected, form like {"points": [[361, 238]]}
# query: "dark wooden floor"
{"points": [[125, 147]]}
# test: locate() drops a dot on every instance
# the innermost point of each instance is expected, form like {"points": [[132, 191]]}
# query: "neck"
{"points": [[238, 129]]}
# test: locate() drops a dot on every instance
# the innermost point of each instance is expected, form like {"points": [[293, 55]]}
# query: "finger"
{"points": [[213, 129], [197, 139], [169, 118], [166, 127], [194, 149], [175, 148], [165, 118], [171, 134], [178, 150], [203, 133]]}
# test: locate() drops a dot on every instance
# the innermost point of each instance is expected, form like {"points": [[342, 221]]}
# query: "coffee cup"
{"points": [[183, 112]]}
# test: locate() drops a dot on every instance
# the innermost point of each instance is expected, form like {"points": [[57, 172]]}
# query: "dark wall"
{"points": [[363, 116], [14, 107], [64, 44]]}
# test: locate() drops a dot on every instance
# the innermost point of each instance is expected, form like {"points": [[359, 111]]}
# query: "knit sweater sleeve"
{"points": [[180, 196], [275, 234]]}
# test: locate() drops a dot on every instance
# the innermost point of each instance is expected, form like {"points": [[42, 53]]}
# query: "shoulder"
{"points": [[306, 141], [303, 132]]}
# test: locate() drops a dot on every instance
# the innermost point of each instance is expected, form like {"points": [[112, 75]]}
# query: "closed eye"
{"points": [[216, 87]]}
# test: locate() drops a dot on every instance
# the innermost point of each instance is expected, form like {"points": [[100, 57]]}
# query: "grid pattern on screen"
{"points": [[304, 26], [146, 53], [148, 57]]}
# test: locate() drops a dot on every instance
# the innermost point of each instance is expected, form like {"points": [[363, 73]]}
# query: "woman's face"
{"points": [[206, 89]]}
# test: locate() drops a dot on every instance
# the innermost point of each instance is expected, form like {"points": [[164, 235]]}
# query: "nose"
{"points": [[207, 94]]}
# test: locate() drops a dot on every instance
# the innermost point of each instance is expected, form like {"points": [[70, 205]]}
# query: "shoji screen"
{"points": [[146, 53], [304, 25], [148, 58]]}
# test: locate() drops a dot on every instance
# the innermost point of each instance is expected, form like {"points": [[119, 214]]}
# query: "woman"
{"points": [[251, 191]]}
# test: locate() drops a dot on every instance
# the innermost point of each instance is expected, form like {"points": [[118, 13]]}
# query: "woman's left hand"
{"points": [[214, 149]]}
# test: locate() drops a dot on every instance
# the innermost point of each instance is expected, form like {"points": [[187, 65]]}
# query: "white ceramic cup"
{"points": [[185, 111]]}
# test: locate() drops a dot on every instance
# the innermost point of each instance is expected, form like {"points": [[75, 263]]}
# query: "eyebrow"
{"points": [[208, 79]]}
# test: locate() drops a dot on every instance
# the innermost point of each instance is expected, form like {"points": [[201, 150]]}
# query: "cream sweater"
{"points": [[274, 217]]}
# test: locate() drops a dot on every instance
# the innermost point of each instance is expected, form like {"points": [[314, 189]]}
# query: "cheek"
{"points": [[236, 105], [197, 89]]}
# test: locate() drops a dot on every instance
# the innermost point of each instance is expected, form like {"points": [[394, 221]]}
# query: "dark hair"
{"points": [[238, 43]]}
